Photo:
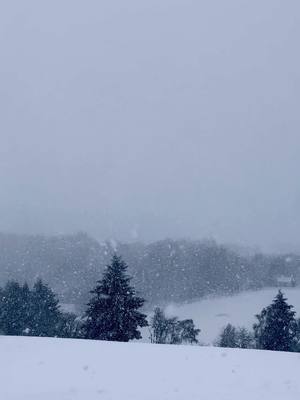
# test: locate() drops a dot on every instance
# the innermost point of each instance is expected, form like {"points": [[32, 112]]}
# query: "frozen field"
{"points": [[212, 314], [57, 369]]}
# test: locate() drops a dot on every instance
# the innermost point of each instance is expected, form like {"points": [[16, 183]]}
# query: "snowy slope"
{"points": [[212, 314], [57, 369]]}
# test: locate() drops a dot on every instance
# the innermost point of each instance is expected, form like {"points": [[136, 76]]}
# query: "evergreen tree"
{"points": [[244, 339], [228, 337], [44, 311], [25, 309], [1, 309], [233, 337], [14, 309], [276, 328], [297, 347], [112, 312]]}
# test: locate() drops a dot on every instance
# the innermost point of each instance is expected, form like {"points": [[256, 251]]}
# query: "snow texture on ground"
{"points": [[62, 369]]}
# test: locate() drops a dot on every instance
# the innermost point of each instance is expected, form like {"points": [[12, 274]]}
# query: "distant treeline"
{"points": [[163, 271]]}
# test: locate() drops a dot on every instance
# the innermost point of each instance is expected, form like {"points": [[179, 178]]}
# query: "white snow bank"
{"points": [[57, 369]]}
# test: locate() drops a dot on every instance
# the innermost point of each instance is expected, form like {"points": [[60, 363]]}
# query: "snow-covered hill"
{"points": [[212, 314], [57, 369]]}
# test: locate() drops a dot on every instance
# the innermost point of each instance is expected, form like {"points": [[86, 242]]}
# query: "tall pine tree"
{"points": [[13, 313], [11, 318], [44, 311], [112, 312], [276, 328]]}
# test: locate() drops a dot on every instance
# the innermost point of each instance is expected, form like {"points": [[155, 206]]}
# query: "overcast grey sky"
{"points": [[146, 119]]}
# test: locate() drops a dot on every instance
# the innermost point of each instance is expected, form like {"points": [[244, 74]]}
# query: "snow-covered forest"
{"points": [[163, 272]]}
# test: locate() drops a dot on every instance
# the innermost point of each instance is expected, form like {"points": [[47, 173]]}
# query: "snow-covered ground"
{"points": [[212, 314], [61, 369]]}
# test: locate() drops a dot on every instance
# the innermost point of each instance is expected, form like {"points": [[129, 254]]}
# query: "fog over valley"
{"points": [[149, 199], [149, 120]]}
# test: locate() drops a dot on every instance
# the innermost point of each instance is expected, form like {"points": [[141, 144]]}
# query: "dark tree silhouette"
{"points": [[14, 312], [112, 312], [235, 337], [171, 330], [228, 337], [45, 311], [276, 328]]}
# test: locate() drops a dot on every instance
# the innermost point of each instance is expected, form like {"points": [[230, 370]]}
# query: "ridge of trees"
{"points": [[164, 271]]}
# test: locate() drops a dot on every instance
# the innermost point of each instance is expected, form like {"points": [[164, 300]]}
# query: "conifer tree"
{"points": [[14, 308], [228, 337], [244, 338], [44, 311], [25, 309], [297, 347], [233, 337], [112, 312], [276, 328]]}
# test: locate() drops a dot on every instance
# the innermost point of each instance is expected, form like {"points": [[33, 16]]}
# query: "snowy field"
{"points": [[62, 369], [212, 314]]}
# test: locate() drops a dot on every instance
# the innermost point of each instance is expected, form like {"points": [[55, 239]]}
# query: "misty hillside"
{"points": [[163, 271]]}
